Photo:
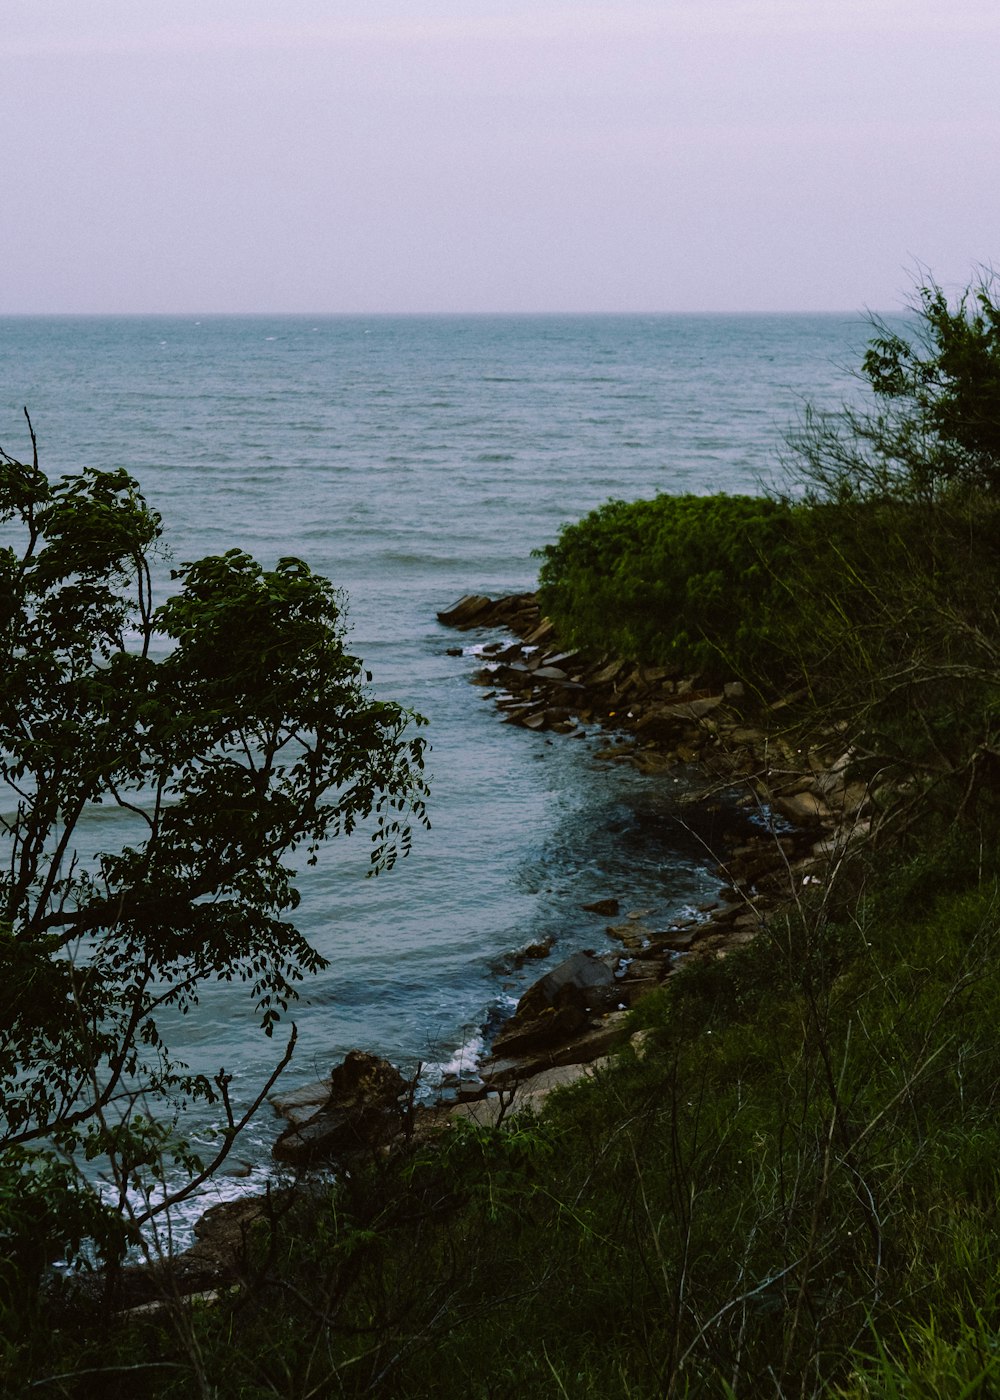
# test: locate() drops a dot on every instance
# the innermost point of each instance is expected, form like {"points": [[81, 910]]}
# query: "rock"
{"points": [[676, 940], [524, 1033], [802, 808], [633, 988], [542, 633], [788, 700], [607, 673], [642, 1042], [582, 980], [364, 1078], [697, 708], [631, 934], [530, 951], [298, 1105], [362, 1112], [500, 1072], [607, 907], [492, 1109], [465, 612], [660, 722], [237, 1169], [742, 734], [854, 798], [557, 1006]]}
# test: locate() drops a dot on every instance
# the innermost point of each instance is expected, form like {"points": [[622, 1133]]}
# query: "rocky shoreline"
{"points": [[656, 720], [573, 1016]]}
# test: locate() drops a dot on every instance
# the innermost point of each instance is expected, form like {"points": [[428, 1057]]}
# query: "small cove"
{"points": [[410, 460]]}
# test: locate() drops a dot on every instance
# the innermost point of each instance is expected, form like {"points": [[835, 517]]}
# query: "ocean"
{"points": [[411, 460]]}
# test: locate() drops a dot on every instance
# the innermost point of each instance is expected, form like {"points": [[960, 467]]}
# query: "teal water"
{"points": [[413, 460]]}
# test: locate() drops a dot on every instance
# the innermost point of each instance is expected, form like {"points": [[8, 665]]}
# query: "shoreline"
{"points": [[658, 721], [570, 1020]]}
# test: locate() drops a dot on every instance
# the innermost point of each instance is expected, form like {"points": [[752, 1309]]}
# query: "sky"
{"points": [[494, 155]]}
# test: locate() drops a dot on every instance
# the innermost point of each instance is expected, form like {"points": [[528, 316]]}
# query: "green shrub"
{"points": [[690, 582]]}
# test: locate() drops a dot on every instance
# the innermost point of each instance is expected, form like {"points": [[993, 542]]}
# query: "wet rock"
{"points": [[607, 907], [362, 1112], [524, 1033], [581, 980], [632, 935], [467, 611], [530, 952]]}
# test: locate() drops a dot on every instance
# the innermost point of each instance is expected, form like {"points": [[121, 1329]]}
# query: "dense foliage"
{"points": [[656, 580], [231, 728], [872, 586], [935, 426]]}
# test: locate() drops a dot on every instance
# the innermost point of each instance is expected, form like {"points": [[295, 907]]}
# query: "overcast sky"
{"points": [[494, 155]]}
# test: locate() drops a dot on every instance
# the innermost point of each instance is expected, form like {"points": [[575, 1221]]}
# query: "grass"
{"points": [[793, 1191]]}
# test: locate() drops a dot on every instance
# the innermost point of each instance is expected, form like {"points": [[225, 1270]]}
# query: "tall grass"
{"points": [[788, 1189]]}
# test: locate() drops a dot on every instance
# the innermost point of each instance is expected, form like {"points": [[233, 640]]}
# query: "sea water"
{"points": [[411, 460]]}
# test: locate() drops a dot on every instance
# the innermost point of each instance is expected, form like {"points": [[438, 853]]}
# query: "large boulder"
{"points": [[583, 981], [467, 611], [364, 1111], [558, 1006], [524, 1034]]}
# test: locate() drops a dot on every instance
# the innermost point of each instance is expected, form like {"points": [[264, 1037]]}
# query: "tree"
{"points": [[896, 610], [936, 424], [232, 727]]}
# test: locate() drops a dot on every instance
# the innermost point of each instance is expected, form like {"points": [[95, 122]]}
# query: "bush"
{"points": [[694, 583]]}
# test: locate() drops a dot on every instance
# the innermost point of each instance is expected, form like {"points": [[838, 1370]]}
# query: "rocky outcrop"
{"points": [[658, 719], [518, 612], [362, 1112], [559, 1005], [572, 1017]]}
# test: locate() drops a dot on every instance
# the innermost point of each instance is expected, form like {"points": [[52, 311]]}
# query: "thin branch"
{"points": [[230, 1136]]}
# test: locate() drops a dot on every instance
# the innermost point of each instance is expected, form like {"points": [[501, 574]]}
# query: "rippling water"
{"points": [[412, 460]]}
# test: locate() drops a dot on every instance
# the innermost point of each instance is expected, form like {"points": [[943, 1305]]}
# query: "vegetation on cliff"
{"points": [[787, 1186], [871, 585]]}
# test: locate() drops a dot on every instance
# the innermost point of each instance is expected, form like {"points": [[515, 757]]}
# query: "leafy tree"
{"points": [[232, 728], [936, 422]]}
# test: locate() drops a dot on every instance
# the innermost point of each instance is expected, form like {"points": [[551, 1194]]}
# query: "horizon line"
{"points": [[400, 315]]}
